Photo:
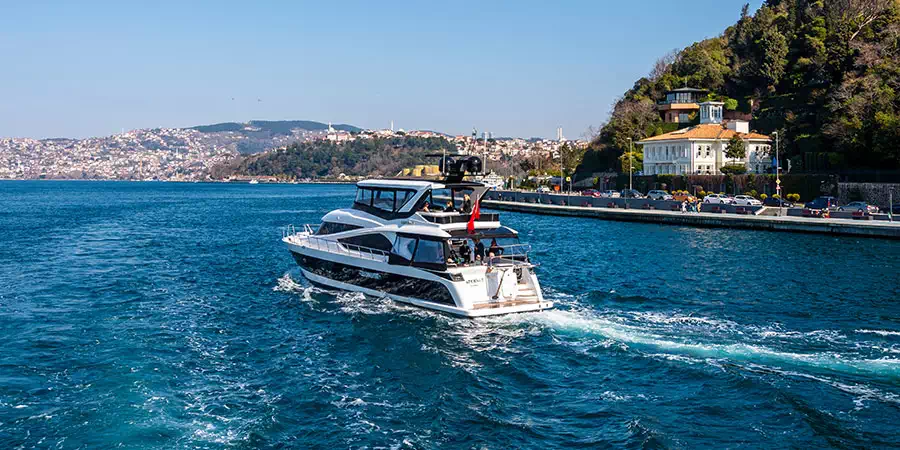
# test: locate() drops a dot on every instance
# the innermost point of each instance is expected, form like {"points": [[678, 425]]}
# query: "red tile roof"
{"points": [[707, 131]]}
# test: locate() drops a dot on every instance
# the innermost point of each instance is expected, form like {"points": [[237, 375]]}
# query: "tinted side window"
{"points": [[374, 240], [430, 252], [403, 197], [404, 247], [331, 227]]}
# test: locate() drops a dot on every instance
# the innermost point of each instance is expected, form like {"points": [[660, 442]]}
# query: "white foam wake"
{"points": [[879, 332], [568, 322]]}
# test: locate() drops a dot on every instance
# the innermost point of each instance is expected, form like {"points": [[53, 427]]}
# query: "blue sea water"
{"points": [[165, 315]]}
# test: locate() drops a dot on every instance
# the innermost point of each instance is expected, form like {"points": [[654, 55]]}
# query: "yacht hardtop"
{"points": [[423, 242]]}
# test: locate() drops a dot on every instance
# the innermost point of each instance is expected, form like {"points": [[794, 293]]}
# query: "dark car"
{"points": [[777, 202], [894, 209], [631, 193], [822, 203]]}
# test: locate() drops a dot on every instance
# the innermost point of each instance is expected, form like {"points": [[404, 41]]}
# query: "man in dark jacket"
{"points": [[479, 248]]}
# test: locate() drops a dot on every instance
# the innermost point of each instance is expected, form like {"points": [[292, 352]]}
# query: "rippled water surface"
{"points": [[165, 315]]}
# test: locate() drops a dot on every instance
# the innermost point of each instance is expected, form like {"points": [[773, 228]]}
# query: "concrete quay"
{"points": [[550, 204]]}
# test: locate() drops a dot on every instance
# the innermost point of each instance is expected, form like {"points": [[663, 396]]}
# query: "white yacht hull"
{"points": [[410, 285]]}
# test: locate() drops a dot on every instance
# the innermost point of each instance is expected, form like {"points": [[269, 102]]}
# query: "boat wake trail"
{"points": [[642, 337]]}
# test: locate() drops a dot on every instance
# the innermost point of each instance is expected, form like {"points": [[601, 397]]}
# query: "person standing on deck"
{"points": [[479, 249]]}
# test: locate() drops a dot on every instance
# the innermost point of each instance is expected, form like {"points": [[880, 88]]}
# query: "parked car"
{"points": [[823, 202], [590, 193], [610, 194], [746, 200], [659, 195], [778, 202], [718, 198], [857, 206], [543, 190], [684, 197], [631, 193], [894, 209]]}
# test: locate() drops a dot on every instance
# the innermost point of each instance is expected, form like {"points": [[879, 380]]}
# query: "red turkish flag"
{"points": [[476, 214]]}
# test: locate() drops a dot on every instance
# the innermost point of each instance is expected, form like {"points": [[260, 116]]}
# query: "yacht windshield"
{"points": [[364, 196], [382, 200]]}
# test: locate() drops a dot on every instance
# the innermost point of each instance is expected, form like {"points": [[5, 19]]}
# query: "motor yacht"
{"points": [[422, 242]]}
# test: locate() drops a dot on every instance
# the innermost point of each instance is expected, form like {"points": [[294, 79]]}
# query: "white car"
{"points": [[718, 198], [746, 200], [610, 194], [543, 190], [659, 195]]}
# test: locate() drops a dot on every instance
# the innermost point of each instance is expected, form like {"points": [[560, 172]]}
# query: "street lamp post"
{"points": [[630, 169], [777, 175]]}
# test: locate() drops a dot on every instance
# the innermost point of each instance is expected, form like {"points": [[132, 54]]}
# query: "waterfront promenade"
{"points": [[754, 221]]}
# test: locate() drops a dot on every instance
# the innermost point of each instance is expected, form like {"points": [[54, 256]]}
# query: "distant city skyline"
{"points": [[518, 69]]}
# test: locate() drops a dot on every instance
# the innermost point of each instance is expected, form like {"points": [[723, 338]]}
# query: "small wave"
{"points": [[879, 332], [656, 317], [287, 284], [831, 336], [861, 392], [615, 397], [573, 322]]}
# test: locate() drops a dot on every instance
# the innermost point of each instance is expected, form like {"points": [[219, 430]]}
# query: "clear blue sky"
{"points": [[518, 68]]}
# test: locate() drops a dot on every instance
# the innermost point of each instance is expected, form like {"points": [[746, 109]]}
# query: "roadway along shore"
{"points": [[840, 227]]}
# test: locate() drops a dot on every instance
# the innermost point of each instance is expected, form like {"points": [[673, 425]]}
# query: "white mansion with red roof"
{"points": [[700, 149]]}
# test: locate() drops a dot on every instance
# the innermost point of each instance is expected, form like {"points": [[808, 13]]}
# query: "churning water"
{"points": [[166, 315]]}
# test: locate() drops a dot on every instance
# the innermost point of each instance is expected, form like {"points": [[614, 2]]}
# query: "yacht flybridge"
{"points": [[423, 242]]}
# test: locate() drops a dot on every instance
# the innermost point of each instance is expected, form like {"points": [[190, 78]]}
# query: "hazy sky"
{"points": [[518, 68]]}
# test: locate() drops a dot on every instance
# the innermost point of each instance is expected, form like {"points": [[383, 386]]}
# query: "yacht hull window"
{"points": [[332, 227], [372, 240]]}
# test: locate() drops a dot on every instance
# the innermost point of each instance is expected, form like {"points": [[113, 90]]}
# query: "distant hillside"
{"points": [[377, 156], [275, 127]]}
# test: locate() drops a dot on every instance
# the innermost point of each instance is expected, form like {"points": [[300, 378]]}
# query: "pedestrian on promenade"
{"points": [[683, 206]]}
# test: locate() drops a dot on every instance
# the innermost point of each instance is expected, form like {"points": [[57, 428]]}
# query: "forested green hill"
{"points": [[370, 157], [824, 74]]}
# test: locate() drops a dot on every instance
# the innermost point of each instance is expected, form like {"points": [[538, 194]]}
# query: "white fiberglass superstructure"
{"points": [[395, 241]]}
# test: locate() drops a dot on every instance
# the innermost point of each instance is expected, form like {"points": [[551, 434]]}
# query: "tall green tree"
{"points": [[633, 159], [736, 148]]}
